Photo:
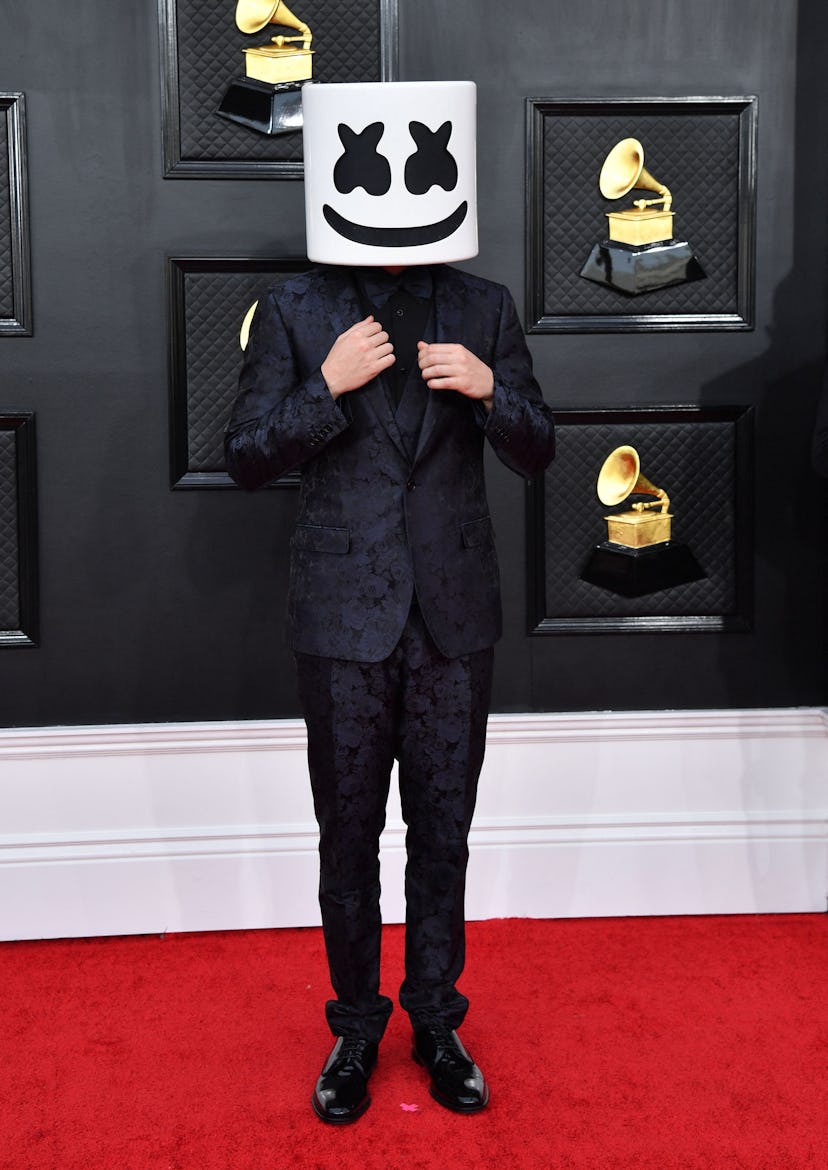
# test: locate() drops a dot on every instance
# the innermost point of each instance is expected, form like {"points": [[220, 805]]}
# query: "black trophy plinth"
{"points": [[634, 572], [269, 109], [640, 268]]}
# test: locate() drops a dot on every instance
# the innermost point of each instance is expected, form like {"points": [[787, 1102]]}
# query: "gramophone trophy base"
{"points": [[269, 109], [634, 572], [635, 269]]}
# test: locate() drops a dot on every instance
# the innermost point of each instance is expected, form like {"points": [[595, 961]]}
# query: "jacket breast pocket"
{"points": [[477, 533], [318, 538]]}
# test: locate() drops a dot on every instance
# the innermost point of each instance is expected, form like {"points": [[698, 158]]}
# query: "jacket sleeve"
{"points": [[520, 426], [280, 418]]}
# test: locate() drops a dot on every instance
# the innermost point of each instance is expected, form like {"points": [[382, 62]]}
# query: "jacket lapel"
{"points": [[411, 411], [447, 326]]}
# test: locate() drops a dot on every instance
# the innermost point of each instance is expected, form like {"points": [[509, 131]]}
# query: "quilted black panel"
{"points": [[695, 462], [9, 535], [210, 300], [696, 152], [346, 42], [6, 274]]}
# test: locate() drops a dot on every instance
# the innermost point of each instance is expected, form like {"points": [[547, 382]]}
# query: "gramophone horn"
{"points": [[620, 476], [253, 15], [624, 169]]}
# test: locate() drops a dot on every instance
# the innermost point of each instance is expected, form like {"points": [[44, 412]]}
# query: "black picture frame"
{"points": [[706, 148], [207, 299], [182, 81], [15, 268], [18, 529], [720, 533]]}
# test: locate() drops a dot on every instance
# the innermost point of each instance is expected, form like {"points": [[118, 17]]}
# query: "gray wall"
{"points": [[158, 605]]}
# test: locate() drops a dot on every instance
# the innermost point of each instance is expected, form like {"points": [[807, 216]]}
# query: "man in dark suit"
{"points": [[383, 387]]}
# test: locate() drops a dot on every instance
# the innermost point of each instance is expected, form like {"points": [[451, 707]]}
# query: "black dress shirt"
{"points": [[401, 303]]}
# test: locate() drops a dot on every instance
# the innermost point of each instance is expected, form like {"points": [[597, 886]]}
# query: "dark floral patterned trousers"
{"points": [[429, 712]]}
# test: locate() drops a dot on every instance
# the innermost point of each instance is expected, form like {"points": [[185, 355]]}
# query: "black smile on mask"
{"points": [[395, 237]]}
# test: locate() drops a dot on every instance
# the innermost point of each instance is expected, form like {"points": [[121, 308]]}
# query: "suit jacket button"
{"points": [[410, 485]]}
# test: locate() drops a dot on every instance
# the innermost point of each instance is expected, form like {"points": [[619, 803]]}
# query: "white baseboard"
{"points": [[171, 827]]}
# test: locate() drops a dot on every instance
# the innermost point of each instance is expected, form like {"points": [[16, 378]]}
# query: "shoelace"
{"points": [[351, 1052], [446, 1044]]}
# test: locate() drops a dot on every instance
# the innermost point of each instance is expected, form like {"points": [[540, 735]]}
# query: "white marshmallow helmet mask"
{"points": [[390, 172]]}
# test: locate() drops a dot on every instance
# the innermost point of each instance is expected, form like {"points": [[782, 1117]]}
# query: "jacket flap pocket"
{"points": [[316, 538], [477, 532]]}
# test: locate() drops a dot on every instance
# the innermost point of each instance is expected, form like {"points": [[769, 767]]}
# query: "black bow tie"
{"points": [[379, 285]]}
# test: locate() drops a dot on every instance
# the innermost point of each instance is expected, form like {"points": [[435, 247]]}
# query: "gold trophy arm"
{"points": [[283, 15], [288, 18], [662, 500], [664, 197], [305, 39]]}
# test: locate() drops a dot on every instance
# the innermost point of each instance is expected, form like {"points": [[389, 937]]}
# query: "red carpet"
{"points": [[630, 1044]]}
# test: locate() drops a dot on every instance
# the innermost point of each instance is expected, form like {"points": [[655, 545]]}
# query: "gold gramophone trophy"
{"points": [[639, 555], [269, 97], [640, 254]]}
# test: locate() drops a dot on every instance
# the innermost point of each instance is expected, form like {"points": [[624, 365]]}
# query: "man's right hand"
{"points": [[358, 355]]}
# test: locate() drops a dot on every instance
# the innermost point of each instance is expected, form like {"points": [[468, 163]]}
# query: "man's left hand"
{"points": [[453, 367]]}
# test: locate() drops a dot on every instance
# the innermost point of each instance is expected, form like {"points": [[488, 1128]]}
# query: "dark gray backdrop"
{"points": [[163, 605]]}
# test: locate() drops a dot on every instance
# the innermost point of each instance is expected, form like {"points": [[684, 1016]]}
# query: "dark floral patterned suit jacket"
{"points": [[376, 524]]}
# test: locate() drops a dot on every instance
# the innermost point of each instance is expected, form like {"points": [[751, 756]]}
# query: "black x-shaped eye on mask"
{"points": [[431, 165], [361, 165]]}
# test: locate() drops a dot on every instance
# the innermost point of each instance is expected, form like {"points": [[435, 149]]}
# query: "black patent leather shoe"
{"points": [[341, 1093], [456, 1081]]}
